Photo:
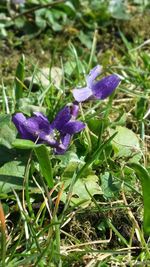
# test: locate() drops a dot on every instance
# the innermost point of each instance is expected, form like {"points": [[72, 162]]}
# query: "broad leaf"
{"points": [[110, 188], [118, 9], [88, 180], [43, 157], [70, 158], [4, 119], [23, 144], [11, 176], [7, 135], [126, 144]]}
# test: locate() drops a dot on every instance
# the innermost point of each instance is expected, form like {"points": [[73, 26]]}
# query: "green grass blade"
{"points": [[93, 157], [19, 79], [144, 178]]}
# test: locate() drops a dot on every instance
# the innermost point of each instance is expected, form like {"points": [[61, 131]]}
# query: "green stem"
{"points": [[117, 233], [109, 105], [86, 130], [50, 203], [69, 195], [27, 170], [92, 50], [142, 130]]}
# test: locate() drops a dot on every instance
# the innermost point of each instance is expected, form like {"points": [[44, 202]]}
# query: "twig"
{"points": [[31, 10]]}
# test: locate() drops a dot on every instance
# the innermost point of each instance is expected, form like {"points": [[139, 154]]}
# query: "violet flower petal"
{"points": [[41, 115], [105, 86], [94, 73], [96, 89], [74, 109], [73, 127], [39, 125], [25, 130], [34, 128], [65, 141], [62, 117], [20, 120], [82, 94], [37, 128]]}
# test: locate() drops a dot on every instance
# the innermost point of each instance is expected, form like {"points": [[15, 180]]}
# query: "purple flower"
{"points": [[56, 134], [96, 89]]}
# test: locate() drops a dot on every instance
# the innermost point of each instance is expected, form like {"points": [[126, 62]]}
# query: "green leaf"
{"points": [[97, 153], [88, 180], [69, 67], [118, 9], [23, 144], [25, 106], [7, 135], [40, 22], [43, 157], [4, 119], [85, 39], [69, 159], [95, 124], [11, 176], [19, 79], [53, 17], [141, 108], [68, 8], [79, 189], [3, 32], [126, 144], [110, 188], [144, 178], [20, 22]]}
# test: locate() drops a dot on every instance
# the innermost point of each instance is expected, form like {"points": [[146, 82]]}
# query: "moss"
{"points": [[138, 27]]}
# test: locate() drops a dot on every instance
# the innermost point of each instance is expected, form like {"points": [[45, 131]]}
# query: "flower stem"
{"points": [[86, 130]]}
